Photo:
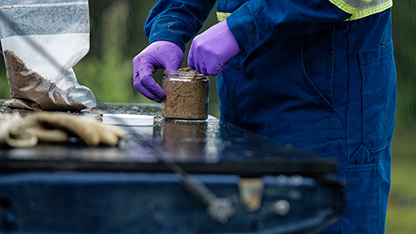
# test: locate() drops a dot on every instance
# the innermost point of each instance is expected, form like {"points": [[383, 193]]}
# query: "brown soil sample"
{"points": [[29, 90], [190, 73], [186, 95]]}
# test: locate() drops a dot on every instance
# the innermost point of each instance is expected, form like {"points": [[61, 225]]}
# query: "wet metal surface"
{"points": [[210, 146]]}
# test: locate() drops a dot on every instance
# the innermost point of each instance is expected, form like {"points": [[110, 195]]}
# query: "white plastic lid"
{"points": [[128, 119]]}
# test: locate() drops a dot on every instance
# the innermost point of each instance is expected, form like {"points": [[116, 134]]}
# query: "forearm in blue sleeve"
{"points": [[177, 20], [256, 21]]}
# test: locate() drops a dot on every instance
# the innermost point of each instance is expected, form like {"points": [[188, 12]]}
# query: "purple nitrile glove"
{"points": [[212, 49], [159, 54]]}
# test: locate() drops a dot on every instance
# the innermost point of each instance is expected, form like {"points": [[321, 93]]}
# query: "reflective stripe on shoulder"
{"points": [[222, 15], [357, 8], [362, 8]]}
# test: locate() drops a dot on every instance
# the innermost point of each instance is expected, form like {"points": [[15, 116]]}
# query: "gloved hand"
{"points": [[159, 54], [212, 49], [55, 127]]}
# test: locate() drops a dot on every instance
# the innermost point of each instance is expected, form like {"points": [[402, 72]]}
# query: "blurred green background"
{"points": [[117, 36]]}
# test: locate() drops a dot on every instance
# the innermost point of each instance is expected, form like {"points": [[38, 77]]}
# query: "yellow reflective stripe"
{"points": [[222, 15], [344, 6], [359, 14], [371, 11], [355, 12]]}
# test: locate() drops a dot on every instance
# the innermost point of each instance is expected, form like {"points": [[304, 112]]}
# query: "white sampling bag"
{"points": [[42, 40]]}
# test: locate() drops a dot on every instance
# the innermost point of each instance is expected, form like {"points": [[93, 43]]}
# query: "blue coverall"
{"points": [[317, 74]]}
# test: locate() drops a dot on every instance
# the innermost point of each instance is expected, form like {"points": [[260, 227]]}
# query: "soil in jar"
{"points": [[187, 97], [30, 90]]}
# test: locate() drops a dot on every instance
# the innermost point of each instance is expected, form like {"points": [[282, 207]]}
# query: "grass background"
{"points": [[117, 36]]}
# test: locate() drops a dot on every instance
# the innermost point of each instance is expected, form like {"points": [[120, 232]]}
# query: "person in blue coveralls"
{"points": [[316, 74]]}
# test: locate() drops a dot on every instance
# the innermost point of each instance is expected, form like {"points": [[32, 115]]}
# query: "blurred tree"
{"points": [[107, 70], [404, 35]]}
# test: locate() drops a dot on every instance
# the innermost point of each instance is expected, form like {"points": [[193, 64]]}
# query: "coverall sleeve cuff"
{"points": [[170, 29], [243, 23]]}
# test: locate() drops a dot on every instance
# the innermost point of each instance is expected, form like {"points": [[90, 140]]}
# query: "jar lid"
{"points": [[185, 73]]}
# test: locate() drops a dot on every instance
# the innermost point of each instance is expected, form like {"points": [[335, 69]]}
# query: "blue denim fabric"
{"points": [[307, 77], [332, 93]]}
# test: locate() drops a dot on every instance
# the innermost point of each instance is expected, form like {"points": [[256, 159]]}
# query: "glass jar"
{"points": [[187, 95]]}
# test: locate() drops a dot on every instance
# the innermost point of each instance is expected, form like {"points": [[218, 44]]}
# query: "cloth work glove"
{"points": [[55, 127], [7, 123], [159, 54], [212, 49]]}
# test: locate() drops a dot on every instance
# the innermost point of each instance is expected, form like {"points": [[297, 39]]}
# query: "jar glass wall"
{"points": [[187, 95]]}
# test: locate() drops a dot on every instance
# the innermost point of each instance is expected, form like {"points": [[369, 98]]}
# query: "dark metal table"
{"points": [[166, 179]]}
